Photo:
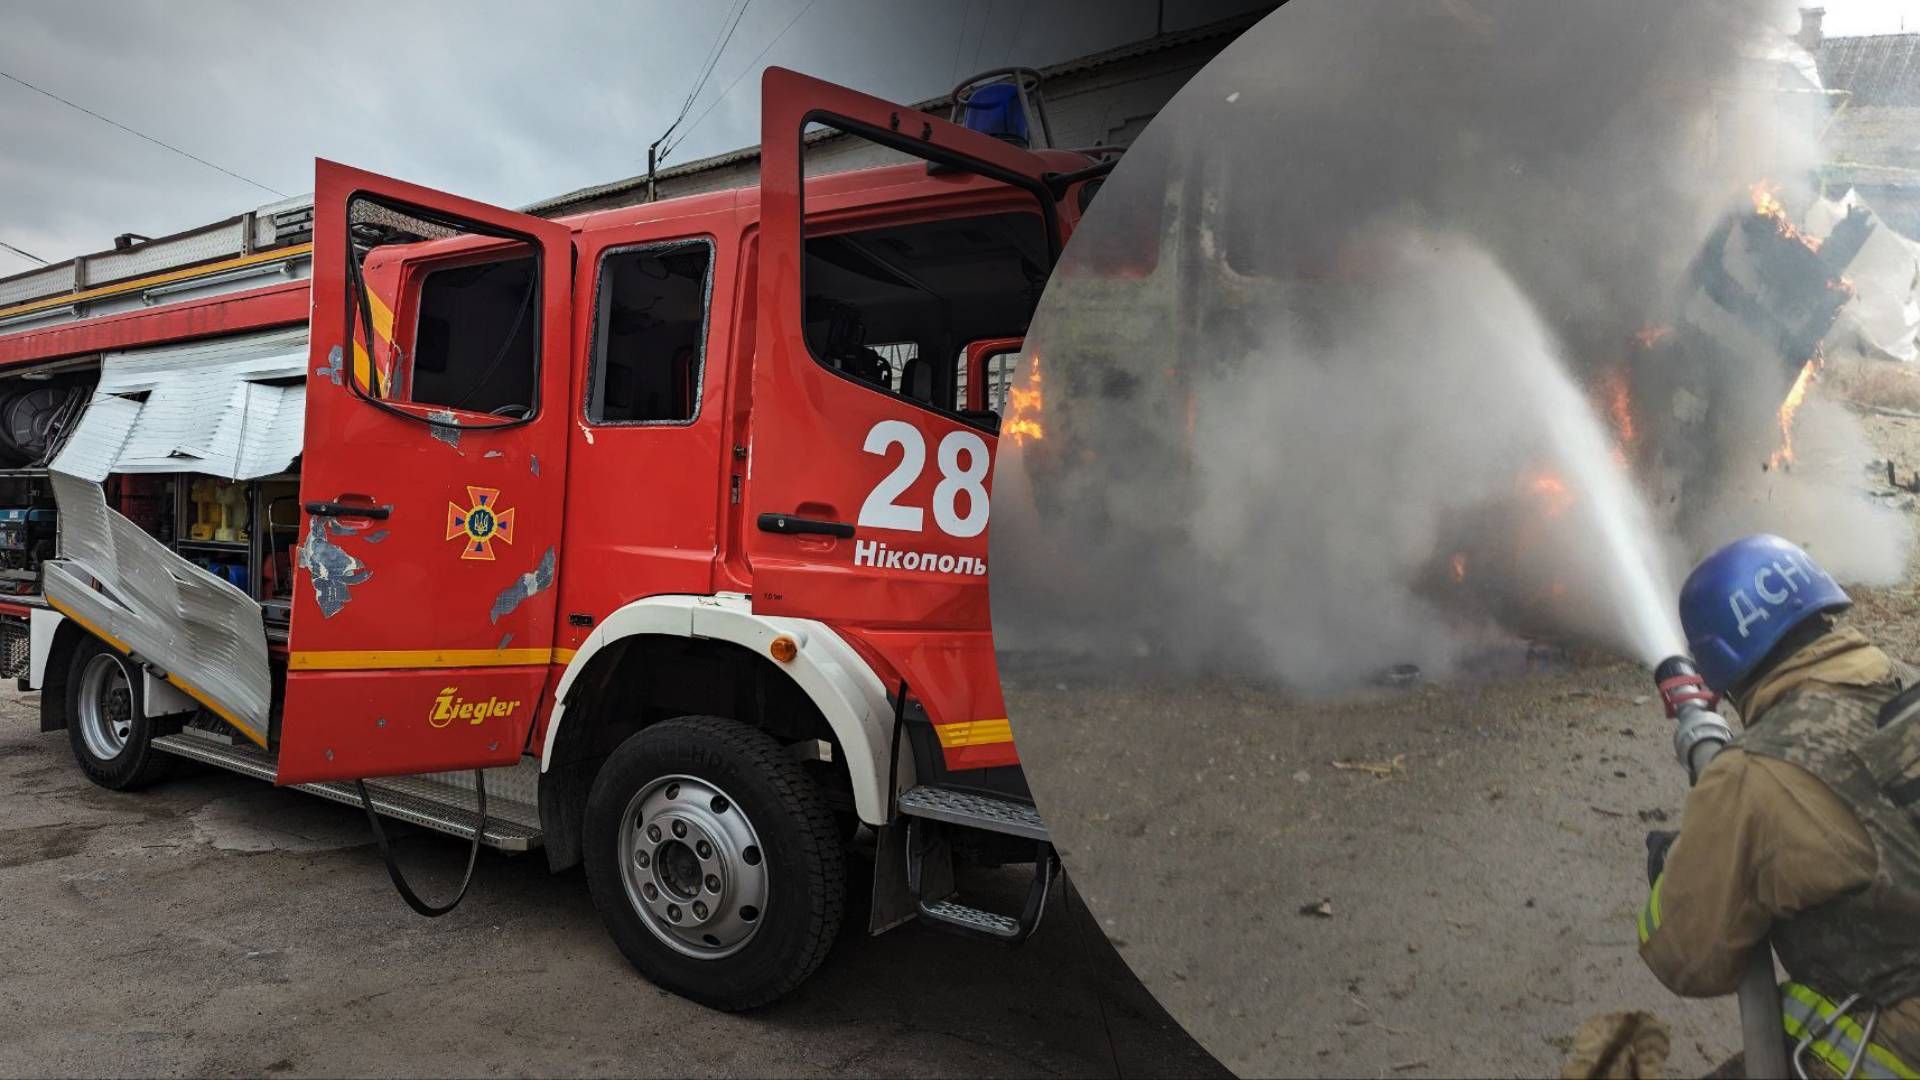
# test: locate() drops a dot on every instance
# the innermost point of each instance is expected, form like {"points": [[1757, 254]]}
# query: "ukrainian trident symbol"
{"points": [[480, 524]]}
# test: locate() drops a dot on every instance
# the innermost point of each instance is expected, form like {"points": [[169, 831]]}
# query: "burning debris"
{"points": [[1024, 407], [1796, 395], [1358, 487], [1737, 362], [1766, 204]]}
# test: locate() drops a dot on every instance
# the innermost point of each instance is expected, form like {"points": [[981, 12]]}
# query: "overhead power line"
{"points": [[751, 64], [728, 24], [719, 50], [140, 134], [23, 254]]}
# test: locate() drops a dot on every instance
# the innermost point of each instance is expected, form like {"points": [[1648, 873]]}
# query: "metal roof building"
{"points": [[1102, 99]]}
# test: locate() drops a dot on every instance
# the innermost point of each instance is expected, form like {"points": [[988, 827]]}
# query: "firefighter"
{"points": [[1803, 831]]}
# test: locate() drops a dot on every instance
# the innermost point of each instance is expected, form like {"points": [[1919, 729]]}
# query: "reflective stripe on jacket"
{"points": [[1806, 1011]]}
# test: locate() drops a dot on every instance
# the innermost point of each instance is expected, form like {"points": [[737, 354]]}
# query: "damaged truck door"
{"points": [[437, 416]]}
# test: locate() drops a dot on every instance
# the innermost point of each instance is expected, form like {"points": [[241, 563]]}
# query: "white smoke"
{"points": [[1312, 343]]}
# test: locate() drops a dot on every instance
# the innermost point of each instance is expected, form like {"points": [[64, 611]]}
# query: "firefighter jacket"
{"points": [[1804, 830]]}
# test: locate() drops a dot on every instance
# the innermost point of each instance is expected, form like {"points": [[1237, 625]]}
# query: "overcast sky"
{"points": [[507, 102], [1869, 16]]}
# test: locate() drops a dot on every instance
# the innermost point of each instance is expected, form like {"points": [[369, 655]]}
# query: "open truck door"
{"points": [[431, 484], [870, 485], [920, 471]]}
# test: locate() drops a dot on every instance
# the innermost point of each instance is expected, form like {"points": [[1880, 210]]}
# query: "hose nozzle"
{"points": [[1681, 686], [1700, 732]]}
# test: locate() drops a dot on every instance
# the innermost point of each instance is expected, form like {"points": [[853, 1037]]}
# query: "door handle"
{"points": [[789, 524], [347, 509]]}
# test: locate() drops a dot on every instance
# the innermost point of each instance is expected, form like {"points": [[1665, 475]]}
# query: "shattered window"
{"points": [[473, 347], [445, 312], [650, 333], [882, 302]]}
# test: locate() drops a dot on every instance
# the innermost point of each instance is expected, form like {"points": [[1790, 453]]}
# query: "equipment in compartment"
{"points": [[33, 416], [29, 527], [242, 531]]}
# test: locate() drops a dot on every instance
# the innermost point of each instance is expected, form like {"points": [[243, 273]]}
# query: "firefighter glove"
{"points": [[1659, 841]]}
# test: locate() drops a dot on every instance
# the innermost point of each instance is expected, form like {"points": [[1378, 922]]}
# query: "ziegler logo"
{"points": [[450, 706]]}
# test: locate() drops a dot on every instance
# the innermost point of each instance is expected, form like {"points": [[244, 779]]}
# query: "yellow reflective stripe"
{"points": [[1812, 1009], [118, 287], [382, 316], [383, 329], [974, 733], [1649, 920], [348, 660]]}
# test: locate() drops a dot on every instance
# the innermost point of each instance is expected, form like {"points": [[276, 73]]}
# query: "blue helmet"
{"points": [[1741, 600]]}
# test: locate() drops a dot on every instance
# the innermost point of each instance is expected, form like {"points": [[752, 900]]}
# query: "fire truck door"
{"points": [[865, 507], [431, 482]]}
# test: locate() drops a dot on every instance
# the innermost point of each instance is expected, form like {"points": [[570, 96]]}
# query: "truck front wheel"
{"points": [[714, 861], [107, 728]]}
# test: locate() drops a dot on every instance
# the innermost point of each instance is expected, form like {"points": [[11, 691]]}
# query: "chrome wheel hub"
{"points": [[106, 706], [693, 867]]}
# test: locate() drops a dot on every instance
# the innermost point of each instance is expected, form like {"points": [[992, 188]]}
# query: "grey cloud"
{"points": [[503, 102]]}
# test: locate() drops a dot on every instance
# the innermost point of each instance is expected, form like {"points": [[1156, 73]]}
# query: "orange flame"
{"points": [[1767, 204], [1459, 562], [1620, 406], [1552, 491], [1024, 408], [1789, 408], [1652, 334]]}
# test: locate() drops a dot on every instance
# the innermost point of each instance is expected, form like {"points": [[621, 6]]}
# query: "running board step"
{"points": [[443, 802], [928, 809], [974, 810], [971, 919]]}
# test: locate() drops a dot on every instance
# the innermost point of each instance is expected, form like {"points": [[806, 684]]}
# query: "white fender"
{"points": [[41, 625], [828, 671]]}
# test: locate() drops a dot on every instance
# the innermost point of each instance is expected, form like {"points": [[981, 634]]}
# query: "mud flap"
{"points": [[893, 900]]}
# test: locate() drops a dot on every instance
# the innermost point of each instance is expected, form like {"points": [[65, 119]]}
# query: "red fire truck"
{"points": [[654, 539]]}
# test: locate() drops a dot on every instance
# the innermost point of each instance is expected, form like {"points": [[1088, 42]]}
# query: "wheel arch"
{"points": [[51, 641], [825, 684]]}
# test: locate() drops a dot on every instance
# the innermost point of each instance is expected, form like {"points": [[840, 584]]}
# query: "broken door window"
{"points": [[650, 334], [452, 314], [885, 302]]}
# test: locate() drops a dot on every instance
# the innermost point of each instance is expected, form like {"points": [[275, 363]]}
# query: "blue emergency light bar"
{"points": [[996, 109]]}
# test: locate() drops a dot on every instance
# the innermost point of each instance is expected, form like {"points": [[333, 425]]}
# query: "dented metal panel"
{"points": [[133, 591], [233, 407]]}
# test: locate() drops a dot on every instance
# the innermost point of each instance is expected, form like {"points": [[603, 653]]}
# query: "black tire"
{"points": [[804, 863], [137, 763]]}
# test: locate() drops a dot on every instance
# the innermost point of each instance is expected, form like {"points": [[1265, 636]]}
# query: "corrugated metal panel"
{"points": [[50, 281], [1877, 69], [203, 245], [233, 407], [198, 628], [277, 223]]}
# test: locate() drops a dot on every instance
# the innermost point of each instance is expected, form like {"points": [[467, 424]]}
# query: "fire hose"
{"points": [[431, 911], [1699, 733]]}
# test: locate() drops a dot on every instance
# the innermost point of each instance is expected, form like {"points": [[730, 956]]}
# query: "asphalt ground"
{"points": [[213, 925]]}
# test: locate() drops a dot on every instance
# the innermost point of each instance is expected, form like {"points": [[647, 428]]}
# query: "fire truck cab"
{"points": [[654, 539]]}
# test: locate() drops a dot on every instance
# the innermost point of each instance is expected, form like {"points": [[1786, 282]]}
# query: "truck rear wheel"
{"points": [[111, 737], [714, 861]]}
